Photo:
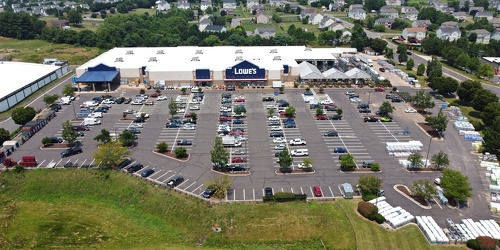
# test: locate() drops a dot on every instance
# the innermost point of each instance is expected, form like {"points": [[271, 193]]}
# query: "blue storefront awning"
{"points": [[97, 76]]}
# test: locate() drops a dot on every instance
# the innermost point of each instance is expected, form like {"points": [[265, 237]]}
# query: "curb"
{"points": [[360, 172], [409, 198], [248, 173], [189, 156], [42, 148], [277, 172]]}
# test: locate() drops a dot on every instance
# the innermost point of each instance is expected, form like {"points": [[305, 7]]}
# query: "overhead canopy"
{"points": [[100, 73], [334, 73], [356, 73], [309, 71]]}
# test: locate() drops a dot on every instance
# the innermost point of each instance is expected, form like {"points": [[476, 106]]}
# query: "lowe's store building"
{"points": [[206, 66]]}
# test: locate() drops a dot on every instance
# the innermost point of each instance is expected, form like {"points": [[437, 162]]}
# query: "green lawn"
{"points": [[48, 209], [421, 79], [467, 110]]}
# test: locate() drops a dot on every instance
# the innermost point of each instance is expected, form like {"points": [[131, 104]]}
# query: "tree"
{"points": [[369, 184], [109, 155], [49, 99], [127, 138], [162, 147], [74, 17], [219, 154], [4, 135], [290, 111], [180, 152], [22, 115], [103, 137], [271, 111], [455, 185], [379, 28], [444, 85], [386, 108], [492, 137], [378, 45], [347, 162], [421, 69], [276, 18], [424, 189], [183, 90], [307, 163], [415, 160], [485, 70], [319, 111], [489, 113], [410, 64], [68, 90], [282, 89], [482, 98], [374, 4], [468, 89], [434, 68], [68, 133], [422, 100], [285, 159], [172, 108], [389, 53], [440, 160], [287, 8], [439, 122], [402, 57], [220, 184], [46, 141], [462, 60], [339, 111], [193, 115]]}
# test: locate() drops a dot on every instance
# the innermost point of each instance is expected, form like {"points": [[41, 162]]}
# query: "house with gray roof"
{"points": [[261, 18], [204, 4], [483, 36], [448, 33], [258, 9], [215, 29], [389, 13], [450, 24], [421, 23], [229, 4], [411, 15], [357, 14], [251, 3], [387, 22], [355, 6], [393, 2], [265, 32], [495, 22], [460, 16], [404, 9], [478, 9], [325, 22], [163, 6], [486, 14], [279, 3], [306, 13], [495, 35], [184, 5], [336, 26]]}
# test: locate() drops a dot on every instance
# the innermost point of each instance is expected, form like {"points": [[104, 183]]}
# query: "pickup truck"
{"points": [[297, 141], [184, 142]]}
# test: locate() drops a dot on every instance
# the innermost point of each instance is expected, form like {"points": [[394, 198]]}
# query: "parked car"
{"points": [[124, 163], [381, 69], [340, 150], [370, 119], [147, 173], [238, 121], [173, 125], [308, 93], [317, 191], [322, 117], [276, 128], [175, 181], [184, 142], [134, 130], [276, 134], [280, 147], [208, 192], [161, 98], [268, 191], [138, 120], [238, 159], [194, 107], [268, 99], [274, 123], [56, 140], [238, 152], [386, 119], [274, 118], [279, 140], [331, 133], [336, 117], [134, 168], [71, 151], [364, 111], [224, 118], [331, 108], [379, 89], [410, 110]]}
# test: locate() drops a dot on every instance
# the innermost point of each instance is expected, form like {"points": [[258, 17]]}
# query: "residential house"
{"points": [[412, 15], [36, 10], [486, 14], [336, 26], [477, 9], [495, 35], [335, 7], [184, 5], [387, 22], [389, 13], [460, 16], [438, 5], [261, 18], [204, 22], [280, 3], [69, 4], [495, 22], [483, 36], [265, 32], [315, 18], [215, 29], [404, 9], [85, 6], [251, 3], [256, 9], [346, 36], [204, 4], [306, 13], [58, 23], [357, 14], [412, 34], [294, 5], [393, 2], [421, 23], [450, 24], [448, 33], [229, 4], [355, 6], [326, 22], [163, 6]]}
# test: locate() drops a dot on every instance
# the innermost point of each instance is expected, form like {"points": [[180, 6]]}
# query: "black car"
{"points": [[289, 125], [127, 100], [71, 151], [331, 133], [231, 88], [56, 140], [234, 168], [389, 96], [409, 53], [284, 104], [382, 70], [308, 93], [208, 192], [173, 125], [365, 111], [380, 113], [55, 107], [134, 168], [276, 134], [101, 109], [268, 99], [370, 119], [226, 95], [277, 154], [268, 191], [184, 142], [175, 181], [120, 100], [336, 117], [138, 120], [396, 99], [188, 121], [363, 106], [124, 163]]}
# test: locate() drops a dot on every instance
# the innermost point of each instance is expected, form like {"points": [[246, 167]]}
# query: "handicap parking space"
{"points": [[390, 132], [256, 194]]}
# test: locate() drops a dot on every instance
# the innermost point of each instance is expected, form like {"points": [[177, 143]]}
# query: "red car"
{"points": [[239, 159], [239, 100], [379, 89], [322, 117], [223, 118], [187, 115], [237, 132], [155, 95], [317, 191]]}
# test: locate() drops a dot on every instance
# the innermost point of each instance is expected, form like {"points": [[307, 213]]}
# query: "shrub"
{"points": [[366, 208], [46, 141], [142, 91], [371, 217], [18, 169], [375, 167], [368, 197], [453, 105], [180, 152], [412, 75], [472, 244], [477, 125], [285, 196], [486, 243], [162, 147], [379, 218]]}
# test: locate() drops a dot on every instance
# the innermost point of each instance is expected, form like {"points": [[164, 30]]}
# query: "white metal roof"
{"points": [[357, 73], [334, 73], [214, 58], [16, 75], [309, 71]]}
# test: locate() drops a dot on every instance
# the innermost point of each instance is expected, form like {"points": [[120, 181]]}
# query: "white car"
{"points": [[410, 110], [301, 166], [189, 126], [276, 128], [280, 146], [270, 106], [108, 101], [95, 115], [194, 108], [129, 111], [161, 98], [136, 102], [181, 111], [279, 140], [240, 138], [274, 118], [194, 102], [298, 141], [355, 100], [136, 125], [349, 93], [139, 114], [326, 102], [237, 152]]}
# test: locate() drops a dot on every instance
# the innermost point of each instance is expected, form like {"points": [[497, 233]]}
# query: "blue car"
{"points": [[173, 125], [238, 121], [276, 134], [147, 172], [340, 150]]}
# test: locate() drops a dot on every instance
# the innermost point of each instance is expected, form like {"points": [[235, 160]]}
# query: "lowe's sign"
{"points": [[245, 70]]}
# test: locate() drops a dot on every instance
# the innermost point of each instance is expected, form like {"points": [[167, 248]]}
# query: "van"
{"points": [[65, 100], [91, 121], [367, 164], [300, 152]]}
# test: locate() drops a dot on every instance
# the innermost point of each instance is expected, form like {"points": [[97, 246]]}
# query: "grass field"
{"points": [[467, 110], [48, 209]]}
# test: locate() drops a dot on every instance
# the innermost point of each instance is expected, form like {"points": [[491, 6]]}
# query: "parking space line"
{"points": [[253, 191], [244, 194], [163, 175], [234, 194], [301, 191], [41, 163], [197, 188], [329, 187], [182, 183], [83, 163], [389, 131], [170, 177], [189, 185], [310, 188], [92, 162], [58, 163]]}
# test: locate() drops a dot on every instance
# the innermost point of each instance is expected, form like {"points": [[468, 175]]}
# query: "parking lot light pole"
{"points": [[428, 150], [74, 112]]}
